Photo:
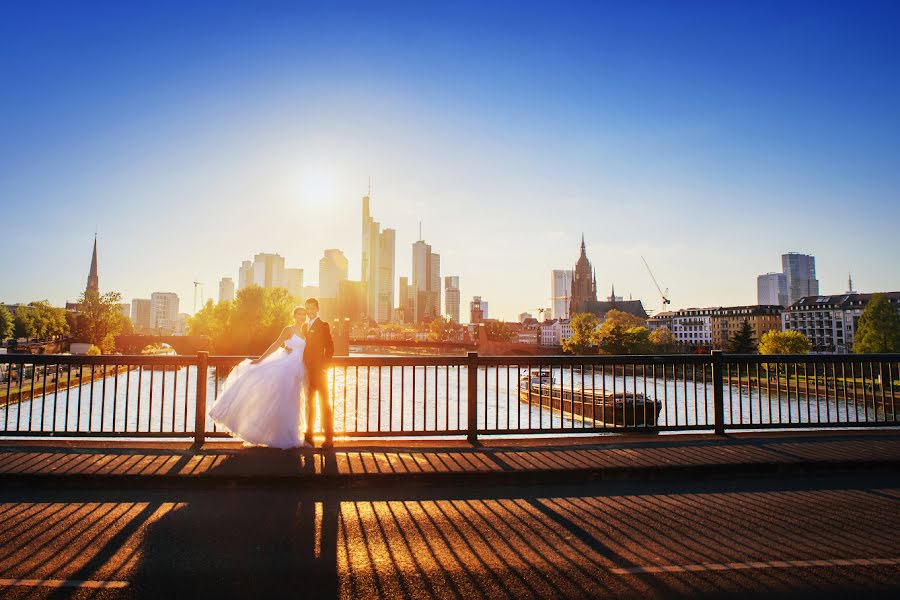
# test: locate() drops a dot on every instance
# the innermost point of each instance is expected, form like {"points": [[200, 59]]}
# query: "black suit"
{"points": [[317, 358]]}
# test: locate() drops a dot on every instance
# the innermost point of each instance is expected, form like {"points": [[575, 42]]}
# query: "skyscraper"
{"points": [[245, 275], [772, 289], [226, 289], [268, 270], [332, 270], [93, 279], [405, 305], [377, 267], [800, 271], [434, 283], [426, 282], [451, 298], [560, 291], [293, 281]]}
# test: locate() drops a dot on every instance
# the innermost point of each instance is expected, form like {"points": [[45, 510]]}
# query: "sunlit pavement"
{"points": [[819, 535]]}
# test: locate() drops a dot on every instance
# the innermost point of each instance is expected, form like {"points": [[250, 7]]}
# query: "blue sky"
{"points": [[708, 137]]}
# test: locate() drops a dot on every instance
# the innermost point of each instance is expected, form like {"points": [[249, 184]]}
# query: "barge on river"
{"points": [[597, 407]]}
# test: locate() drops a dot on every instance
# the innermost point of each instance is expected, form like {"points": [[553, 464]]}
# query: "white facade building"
{"points": [[226, 289], [164, 311], [553, 332], [560, 290], [691, 326]]}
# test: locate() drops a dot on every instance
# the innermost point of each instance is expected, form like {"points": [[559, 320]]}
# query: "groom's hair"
{"points": [[312, 301]]}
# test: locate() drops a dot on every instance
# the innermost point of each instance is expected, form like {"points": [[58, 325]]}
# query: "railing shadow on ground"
{"points": [[573, 541], [361, 460]]}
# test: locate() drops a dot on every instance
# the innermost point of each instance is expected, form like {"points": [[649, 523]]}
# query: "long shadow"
{"points": [[237, 543]]}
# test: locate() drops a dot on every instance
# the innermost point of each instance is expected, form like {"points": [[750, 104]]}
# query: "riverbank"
{"points": [[61, 381]]}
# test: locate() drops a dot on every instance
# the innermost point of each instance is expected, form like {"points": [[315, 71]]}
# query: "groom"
{"points": [[316, 358]]}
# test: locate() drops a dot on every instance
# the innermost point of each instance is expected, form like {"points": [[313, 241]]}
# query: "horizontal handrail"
{"points": [[166, 395], [537, 361]]}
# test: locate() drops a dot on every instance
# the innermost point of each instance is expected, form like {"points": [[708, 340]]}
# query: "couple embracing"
{"points": [[268, 401]]}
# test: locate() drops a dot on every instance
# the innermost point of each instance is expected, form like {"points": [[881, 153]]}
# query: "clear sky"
{"points": [[710, 137]]}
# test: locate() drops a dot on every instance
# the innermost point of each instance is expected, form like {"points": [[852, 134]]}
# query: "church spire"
{"points": [[583, 252], [93, 280]]}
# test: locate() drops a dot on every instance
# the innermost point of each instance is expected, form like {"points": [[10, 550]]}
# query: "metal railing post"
{"points": [[718, 393], [200, 404], [472, 398]]}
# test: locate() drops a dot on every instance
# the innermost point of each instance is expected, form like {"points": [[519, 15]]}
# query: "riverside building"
{"points": [[830, 322], [692, 327], [725, 322]]}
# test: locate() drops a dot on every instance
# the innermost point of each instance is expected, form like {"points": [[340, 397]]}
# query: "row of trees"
{"points": [[98, 321], [36, 320], [246, 325], [620, 333]]}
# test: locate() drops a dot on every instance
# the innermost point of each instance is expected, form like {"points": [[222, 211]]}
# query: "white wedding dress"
{"points": [[265, 404]]}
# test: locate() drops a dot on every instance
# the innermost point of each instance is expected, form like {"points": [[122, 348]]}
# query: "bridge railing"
{"points": [[472, 396]]}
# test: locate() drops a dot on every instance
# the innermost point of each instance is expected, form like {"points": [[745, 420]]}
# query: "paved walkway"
{"points": [[366, 463]]}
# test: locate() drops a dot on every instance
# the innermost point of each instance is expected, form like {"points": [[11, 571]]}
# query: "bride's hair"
{"points": [[298, 309]]}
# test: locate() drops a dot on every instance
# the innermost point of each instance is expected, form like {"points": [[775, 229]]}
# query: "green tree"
{"points": [[584, 335], [663, 340], [99, 320], [212, 321], [623, 333], [6, 324], [442, 330], [40, 320], [879, 327], [742, 340], [784, 342], [247, 325], [498, 331], [623, 319]]}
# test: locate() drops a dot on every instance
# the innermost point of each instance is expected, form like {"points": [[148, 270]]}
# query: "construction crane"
{"points": [[663, 294], [197, 284]]}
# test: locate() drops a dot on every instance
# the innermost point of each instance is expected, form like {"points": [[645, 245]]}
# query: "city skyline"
{"points": [[507, 138]]}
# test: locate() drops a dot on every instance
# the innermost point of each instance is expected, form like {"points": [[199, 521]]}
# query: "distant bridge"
{"points": [[484, 346], [378, 343], [182, 344]]}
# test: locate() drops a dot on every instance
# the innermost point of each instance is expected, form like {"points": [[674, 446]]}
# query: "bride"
{"points": [[262, 400]]}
